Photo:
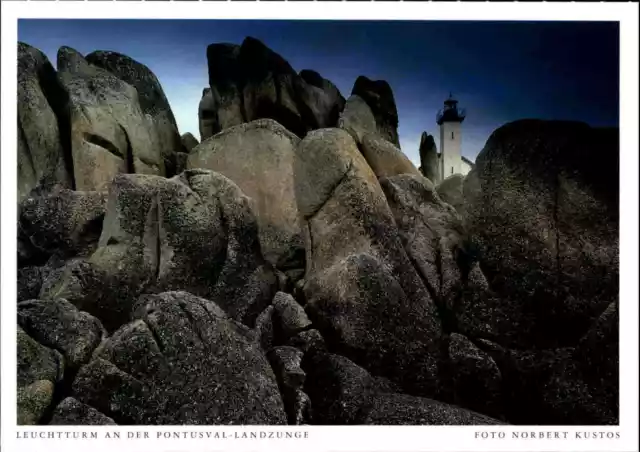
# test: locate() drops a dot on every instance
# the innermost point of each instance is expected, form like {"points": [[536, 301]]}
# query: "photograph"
{"points": [[287, 222]]}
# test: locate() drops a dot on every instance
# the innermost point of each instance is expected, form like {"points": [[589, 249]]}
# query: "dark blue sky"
{"points": [[499, 71]]}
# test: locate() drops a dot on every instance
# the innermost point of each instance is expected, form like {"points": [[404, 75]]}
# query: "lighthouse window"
{"points": [[452, 135], [452, 170]]}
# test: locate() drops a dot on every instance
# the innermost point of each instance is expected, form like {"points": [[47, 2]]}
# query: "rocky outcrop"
{"points": [[258, 157], [195, 231], [153, 102], [429, 162], [43, 159], [181, 361], [360, 287], [384, 158], [251, 81], [110, 134], [379, 97], [541, 205], [299, 269]]}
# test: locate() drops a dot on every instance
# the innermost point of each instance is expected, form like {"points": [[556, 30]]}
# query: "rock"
{"points": [[181, 162], [258, 157], [59, 325], [29, 282], [195, 231], [285, 362], [379, 97], [401, 409], [43, 159], [181, 361], [264, 328], [110, 134], [62, 222], [477, 381], [384, 158], [207, 115], [322, 97], [343, 393], [153, 102], [360, 287], [432, 234], [72, 412], [542, 207], [450, 191], [290, 317], [39, 370], [429, 162], [188, 142], [309, 341], [357, 119]]}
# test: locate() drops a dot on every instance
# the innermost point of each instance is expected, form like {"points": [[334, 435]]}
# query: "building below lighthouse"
{"points": [[437, 166]]}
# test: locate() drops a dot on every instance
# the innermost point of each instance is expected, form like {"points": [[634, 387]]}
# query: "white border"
{"points": [[339, 438]]}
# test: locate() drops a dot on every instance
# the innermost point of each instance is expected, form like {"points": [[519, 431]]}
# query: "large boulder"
{"points": [[62, 222], [181, 361], [357, 119], [43, 159], [432, 235], [322, 97], [195, 232], [153, 101], [59, 325], [39, 371], [188, 142], [360, 287], [110, 134], [429, 162], [251, 81], [72, 412], [379, 97], [542, 207], [207, 115], [258, 157], [343, 393], [565, 386], [384, 158]]}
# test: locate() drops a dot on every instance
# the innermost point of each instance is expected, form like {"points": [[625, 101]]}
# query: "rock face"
{"points": [[360, 287], [40, 369], [195, 231], [110, 134], [541, 206], [379, 97], [42, 123], [251, 81], [450, 191], [298, 268], [357, 119], [384, 158], [153, 102], [258, 157], [429, 158], [207, 115], [343, 393], [181, 361]]}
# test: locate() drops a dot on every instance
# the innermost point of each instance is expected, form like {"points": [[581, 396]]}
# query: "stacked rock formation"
{"points": [[294, 266]]}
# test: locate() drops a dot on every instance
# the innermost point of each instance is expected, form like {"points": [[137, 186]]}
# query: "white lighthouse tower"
{"points": [[450, 121]]}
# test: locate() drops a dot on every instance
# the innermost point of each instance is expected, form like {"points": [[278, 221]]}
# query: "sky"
{"points": [[499, 71]]}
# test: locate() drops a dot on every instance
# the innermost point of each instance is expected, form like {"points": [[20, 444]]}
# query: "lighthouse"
{"points": [[450, 121]]}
